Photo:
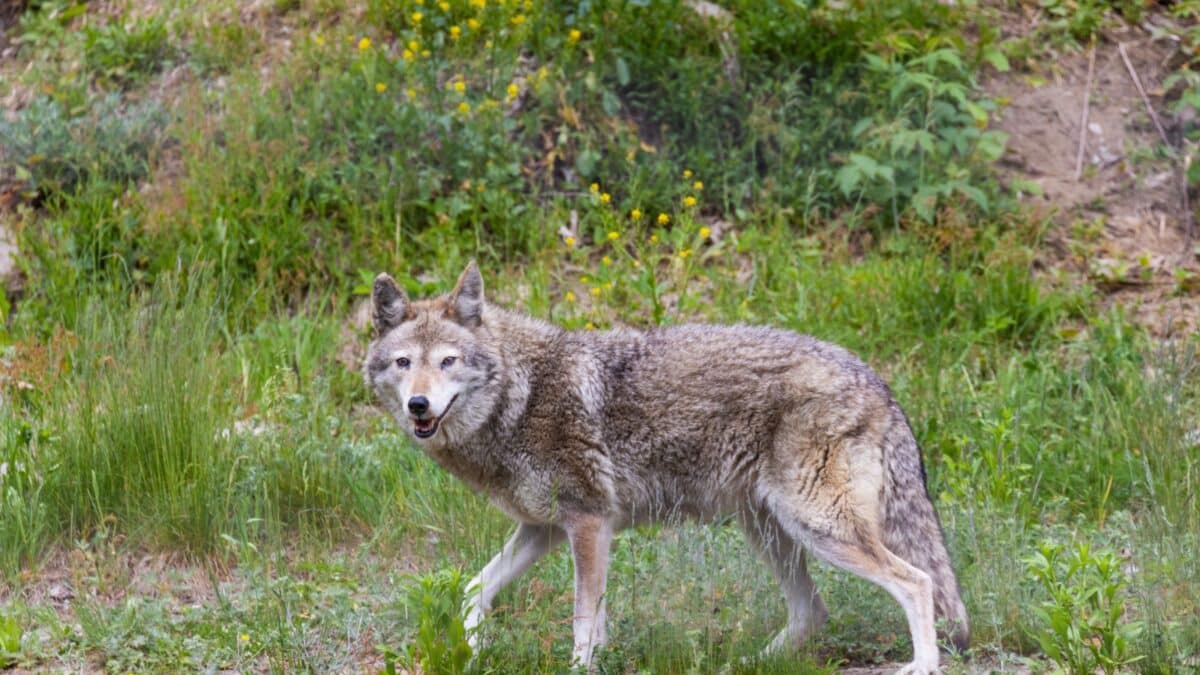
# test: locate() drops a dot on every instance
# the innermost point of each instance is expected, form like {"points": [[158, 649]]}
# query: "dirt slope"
{"points": [[1121, 222]]}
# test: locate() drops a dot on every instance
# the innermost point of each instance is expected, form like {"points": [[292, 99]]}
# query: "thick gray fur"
{"points": [[577, 434]]}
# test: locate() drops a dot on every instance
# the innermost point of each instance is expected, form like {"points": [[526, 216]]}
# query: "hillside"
{"points": [[195, 198]]}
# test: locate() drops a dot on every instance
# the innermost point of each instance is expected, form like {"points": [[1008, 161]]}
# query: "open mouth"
{"points": [[426, 428]]}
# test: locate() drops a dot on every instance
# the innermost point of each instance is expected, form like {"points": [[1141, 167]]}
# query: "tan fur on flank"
{"points": [[576, 435]]}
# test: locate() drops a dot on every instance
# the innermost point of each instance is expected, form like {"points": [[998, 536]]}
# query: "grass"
{"points": [[190, 473]]}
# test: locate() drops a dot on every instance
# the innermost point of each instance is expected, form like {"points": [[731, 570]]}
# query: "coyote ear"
{"points": [[466, 300], [389, 304]]}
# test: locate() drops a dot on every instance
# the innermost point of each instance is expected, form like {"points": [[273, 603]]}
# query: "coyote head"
{"points": [[428, 365]]}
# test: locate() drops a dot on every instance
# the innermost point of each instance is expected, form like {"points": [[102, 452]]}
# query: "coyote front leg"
{"points": [[590, 538], [524, 548]]}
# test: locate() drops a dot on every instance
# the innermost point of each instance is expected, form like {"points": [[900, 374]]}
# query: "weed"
{"points": [[55, 153], [10, 639], [23, 518], [933, 124], [440, 642], [1080, 20], [125, 52], [1083, 623]]}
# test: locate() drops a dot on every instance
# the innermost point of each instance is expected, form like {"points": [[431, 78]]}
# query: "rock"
{"points": [[61, 592]]}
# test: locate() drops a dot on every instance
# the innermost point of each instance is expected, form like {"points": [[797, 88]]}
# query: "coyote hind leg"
{"points": [[806, 611], [854, 543]]}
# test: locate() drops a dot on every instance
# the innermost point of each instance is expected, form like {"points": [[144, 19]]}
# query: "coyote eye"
{"points": [[403, 362], [448, 361]]}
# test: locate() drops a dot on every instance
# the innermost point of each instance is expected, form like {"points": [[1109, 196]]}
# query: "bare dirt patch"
{"points": [[1120, 223]]}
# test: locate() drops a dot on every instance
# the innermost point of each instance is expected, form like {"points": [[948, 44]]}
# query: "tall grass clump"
{"points": [[166, 426], [138, 427]]}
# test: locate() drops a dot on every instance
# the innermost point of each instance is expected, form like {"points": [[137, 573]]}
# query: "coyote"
{"points": [[576, 435]]}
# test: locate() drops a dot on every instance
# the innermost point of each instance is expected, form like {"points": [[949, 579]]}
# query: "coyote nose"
{"points": [[418, 405]]}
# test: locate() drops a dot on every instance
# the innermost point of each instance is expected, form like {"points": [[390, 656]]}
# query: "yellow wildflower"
{"points": [[412, 93], [464, 107], [455, 32], [687, 173], [663, 219], [569, 297], [689, 201], [417, 16], [320, 40], [605, 198], [635, 214], [419, 2], [414, 45], [364, 44], [479, 4], [518, 20], [698, 185], [705, 232], [583, 280], [594, 188], [683, 255], [528, 5], [407, 55], [245, 637], [513, 90], [590, 326], [654, 239], [570, 242], [542, 73], [614, 235], [574, 36], [425, 53], [608, 285], [606, 261], [595, 290], [380, 87], [444, 6], [473, 23], [460, 86]]}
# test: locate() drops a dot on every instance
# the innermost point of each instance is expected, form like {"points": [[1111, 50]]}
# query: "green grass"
{"points": [[186, 446]]}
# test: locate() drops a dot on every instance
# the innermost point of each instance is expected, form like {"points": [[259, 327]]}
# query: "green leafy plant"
{"points": [[1082, 624], [10, 640], [45, 28], [928, 143], [1080, 19], [125, 52], [440, 644], [50, 152]]}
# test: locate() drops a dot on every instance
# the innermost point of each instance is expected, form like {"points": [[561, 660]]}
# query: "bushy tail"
{"points": [[912, 531]]}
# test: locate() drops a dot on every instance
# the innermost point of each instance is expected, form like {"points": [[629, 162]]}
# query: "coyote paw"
{"points": [[915, 668]]}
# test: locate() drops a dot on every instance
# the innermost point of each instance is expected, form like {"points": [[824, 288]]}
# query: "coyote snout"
{"points": [[418, 406], [579, 434]]}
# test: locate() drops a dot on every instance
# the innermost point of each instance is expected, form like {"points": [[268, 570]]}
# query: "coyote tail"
{"points": [[911, 530]]}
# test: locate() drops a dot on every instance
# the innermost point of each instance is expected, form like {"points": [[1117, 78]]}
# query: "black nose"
{"points": [[418, 405]]}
